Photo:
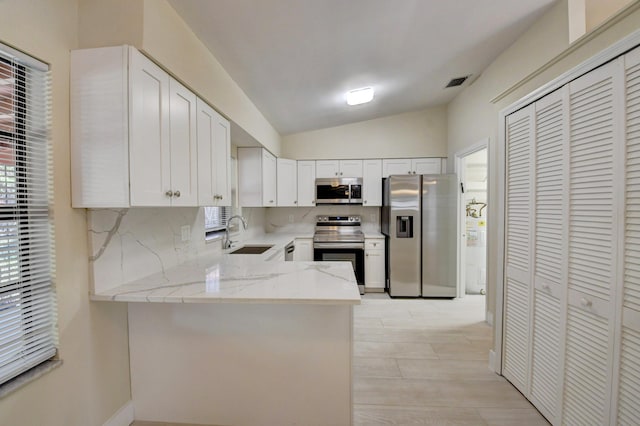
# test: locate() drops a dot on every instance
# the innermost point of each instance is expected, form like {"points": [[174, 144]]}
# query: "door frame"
{"points": [[460, 261]]}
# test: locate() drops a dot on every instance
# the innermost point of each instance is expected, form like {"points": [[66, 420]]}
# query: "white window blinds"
{"points": [[27, 305], [215, 218]]}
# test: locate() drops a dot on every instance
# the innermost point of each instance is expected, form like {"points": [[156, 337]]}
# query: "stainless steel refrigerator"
{"points": [[420, 222]]}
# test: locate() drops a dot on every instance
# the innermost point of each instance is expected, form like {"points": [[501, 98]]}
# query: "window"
{"points": [[27, 307], [215, 218]]}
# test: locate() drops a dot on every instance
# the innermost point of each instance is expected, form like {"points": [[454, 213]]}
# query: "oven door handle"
{"points": [[338, 246]]}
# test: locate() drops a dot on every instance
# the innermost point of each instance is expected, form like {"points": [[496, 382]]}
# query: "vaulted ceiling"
{"points": [[295, 59]]}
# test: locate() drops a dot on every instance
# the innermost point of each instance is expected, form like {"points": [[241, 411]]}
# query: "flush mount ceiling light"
{"points": [[360, 96]]}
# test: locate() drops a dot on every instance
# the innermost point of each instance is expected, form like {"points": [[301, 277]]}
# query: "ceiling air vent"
{"points": [[457, 81]]}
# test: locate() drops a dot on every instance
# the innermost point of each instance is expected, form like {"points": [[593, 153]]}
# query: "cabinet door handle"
{"points": [[340, 173], [585, 303], [271, 201], [295, 202], [545, 286], [364, 202], [176, 194], [409, 172], [169, 193]]}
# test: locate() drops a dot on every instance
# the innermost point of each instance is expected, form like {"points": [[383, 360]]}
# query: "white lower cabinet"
{"points": [[374, 264], [304, 249]]}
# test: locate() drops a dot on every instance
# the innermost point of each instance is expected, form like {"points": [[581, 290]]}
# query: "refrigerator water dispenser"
{"points": [[404, 227]]}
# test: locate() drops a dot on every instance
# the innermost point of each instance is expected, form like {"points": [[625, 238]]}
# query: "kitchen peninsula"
{"points": [[241, 339]]}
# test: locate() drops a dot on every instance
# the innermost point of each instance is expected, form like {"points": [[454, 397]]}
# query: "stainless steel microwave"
{"points": [[339, 191]]}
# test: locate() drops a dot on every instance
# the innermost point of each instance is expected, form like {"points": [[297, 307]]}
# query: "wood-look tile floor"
{"points": [[425, 362]]}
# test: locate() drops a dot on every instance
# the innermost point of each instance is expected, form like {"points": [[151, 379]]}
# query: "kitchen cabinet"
{"points": [[287, 182], [374, 275], [257, 178], [133, 132], [306, 183], [214, 157], [372, 183], [338, 168], [304, 249], [415, 166]]}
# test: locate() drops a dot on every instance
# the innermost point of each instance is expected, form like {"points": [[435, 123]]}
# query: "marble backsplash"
{"points": [[129, 244], [301, 220]]}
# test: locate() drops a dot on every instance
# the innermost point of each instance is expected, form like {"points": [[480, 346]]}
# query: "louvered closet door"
{"points": [[549, 252], [594, 102], [519, 138], [628, 385]]}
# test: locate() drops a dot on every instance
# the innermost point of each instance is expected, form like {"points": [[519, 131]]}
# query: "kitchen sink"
{"points": [[251, 249]]}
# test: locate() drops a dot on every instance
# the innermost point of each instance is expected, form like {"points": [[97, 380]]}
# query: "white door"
{"points": [[327, 168], [306, 183], [351, 168], [372, 183], [213, 157], [396, 166], [287, 187], [626, 393], [269, 179], [149, 143], [374, 264], [426, 166], [519, 190], [184, 145]]}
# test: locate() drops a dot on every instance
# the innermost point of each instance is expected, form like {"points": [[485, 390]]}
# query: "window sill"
{"points": [[28, 377]]}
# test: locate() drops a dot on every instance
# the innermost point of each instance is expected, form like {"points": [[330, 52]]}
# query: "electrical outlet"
{"points": [[290, 218], [185, 230]]}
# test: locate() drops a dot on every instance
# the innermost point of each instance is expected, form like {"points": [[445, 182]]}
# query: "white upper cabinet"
{"points": [[306, 183], [372, 183], [256, 177], [133, 132], [411, 166], [214, 145], [287, 182], [338, 168]]}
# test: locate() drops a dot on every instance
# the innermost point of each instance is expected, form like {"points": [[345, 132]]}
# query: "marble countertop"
{"points": [[244, 278]]}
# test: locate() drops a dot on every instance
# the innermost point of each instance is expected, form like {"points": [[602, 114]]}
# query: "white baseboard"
{"points": [[489, 318], [123, 417]]}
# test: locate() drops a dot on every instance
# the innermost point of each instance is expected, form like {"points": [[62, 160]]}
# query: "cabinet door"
{"points": [[269, 179], [396, 166], [149, 143], [287, 188], [213, 157], [372, 183], [374, 263], [306, 183], [549, 254], [426, 166], [304, 250], [351, 168], [519, 141], [327, 168], [184, 145], [628, 384]]}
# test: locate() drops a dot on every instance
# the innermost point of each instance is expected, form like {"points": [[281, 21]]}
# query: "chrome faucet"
{"points": [[226, 242]]}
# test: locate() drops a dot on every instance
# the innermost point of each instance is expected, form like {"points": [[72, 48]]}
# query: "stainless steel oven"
{"points": [[340, 238]]}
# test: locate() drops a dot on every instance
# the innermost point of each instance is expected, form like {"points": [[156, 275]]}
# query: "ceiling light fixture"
{"points": [[360, 96]]}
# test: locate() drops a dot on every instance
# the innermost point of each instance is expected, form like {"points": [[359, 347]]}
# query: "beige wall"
{"points": [[473, 116], [598, 11], [93, 382], [413, 134]]}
